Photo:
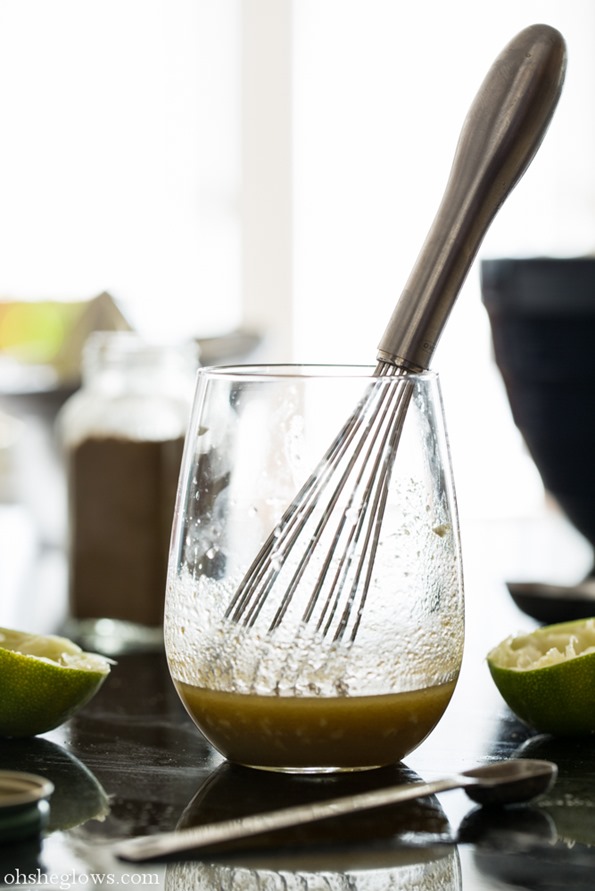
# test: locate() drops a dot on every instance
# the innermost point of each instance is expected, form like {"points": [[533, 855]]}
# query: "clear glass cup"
{"points": [[343, 650]]}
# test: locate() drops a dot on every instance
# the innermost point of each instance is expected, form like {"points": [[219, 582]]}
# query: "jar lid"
{"points": [[23, 804]]}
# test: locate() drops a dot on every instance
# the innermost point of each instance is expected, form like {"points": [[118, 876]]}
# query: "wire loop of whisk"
{"points": [[337, 517]]}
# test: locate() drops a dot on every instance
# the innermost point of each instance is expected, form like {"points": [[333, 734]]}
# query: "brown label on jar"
{"points": [[121, 501]]}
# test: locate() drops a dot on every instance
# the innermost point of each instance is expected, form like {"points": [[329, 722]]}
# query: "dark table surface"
{"points": [[131, 763]]}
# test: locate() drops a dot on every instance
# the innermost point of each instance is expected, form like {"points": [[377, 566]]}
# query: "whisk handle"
{"points": [[501, 134]]}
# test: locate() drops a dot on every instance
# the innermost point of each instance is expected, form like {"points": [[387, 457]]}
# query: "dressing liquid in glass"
{"points": [[333, 733]]}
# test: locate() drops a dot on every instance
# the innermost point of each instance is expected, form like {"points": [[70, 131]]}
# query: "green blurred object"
{"points": [[41, 341]]}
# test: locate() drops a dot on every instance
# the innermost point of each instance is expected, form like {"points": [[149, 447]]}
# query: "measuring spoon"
{"points": [[555, 603], [502, 782]]}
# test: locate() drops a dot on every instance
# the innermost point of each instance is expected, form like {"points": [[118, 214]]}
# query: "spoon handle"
{"points": [[194, 838]]}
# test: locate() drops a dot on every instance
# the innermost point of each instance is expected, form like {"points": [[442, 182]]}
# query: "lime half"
{"points": [[43, 681], [547, 677]]}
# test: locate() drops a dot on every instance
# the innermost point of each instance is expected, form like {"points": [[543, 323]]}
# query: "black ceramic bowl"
{"points": [[542, 318]]}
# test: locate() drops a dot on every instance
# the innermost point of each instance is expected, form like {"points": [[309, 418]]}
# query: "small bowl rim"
{"points": [[20, 788]]}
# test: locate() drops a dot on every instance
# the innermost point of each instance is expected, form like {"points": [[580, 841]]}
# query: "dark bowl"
{"points": [[542, 318]]}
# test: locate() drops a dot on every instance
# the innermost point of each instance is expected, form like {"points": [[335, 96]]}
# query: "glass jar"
{"points": [[122, 434]]}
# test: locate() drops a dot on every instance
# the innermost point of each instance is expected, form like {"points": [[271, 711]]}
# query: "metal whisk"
{"points": [[332, 527]]}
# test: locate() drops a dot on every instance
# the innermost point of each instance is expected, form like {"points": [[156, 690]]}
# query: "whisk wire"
{"points": [[253, 592], [360, 516], [371, 539], [357, 510], [328, 511]]}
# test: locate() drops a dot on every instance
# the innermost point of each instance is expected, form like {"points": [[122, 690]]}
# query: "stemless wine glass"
{"points": [[342, 651]]}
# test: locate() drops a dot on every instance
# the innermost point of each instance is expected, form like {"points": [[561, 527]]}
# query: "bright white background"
{"points": [[276, 163]]}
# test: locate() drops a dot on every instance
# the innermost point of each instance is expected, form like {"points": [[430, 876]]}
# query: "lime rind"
{"points": [[547, 677], [44, 681]]}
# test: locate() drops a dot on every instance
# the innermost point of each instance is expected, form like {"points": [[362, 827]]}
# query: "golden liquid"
{"points": [[302, 733]]}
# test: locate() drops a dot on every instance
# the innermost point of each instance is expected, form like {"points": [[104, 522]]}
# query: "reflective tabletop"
{"points": [[131, 762]]}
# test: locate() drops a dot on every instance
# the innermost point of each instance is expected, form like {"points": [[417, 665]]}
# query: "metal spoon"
{"points": [[555, 603], [503, 782]]}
